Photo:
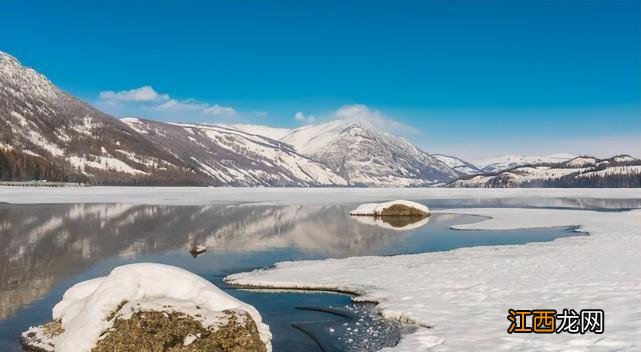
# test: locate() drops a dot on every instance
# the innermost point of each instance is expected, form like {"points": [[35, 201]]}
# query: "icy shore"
{"points": [[461, 297], [223, 195]]}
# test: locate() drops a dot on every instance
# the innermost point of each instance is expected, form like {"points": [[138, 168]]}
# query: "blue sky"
{"points": [[470, 78]]}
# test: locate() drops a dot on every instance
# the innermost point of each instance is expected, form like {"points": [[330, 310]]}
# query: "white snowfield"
{"points": [[378, 208], [86, 305], [461, 298], [289, 196]]}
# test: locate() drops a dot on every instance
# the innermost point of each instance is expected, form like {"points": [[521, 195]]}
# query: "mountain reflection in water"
{"points": [[42, 244], [46, 245]]}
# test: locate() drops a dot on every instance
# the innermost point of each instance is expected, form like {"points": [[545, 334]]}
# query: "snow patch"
{"points": [[463, 295], [103, 163]]}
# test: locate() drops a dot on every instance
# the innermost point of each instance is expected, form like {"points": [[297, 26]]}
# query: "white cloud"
{"points": [[183, 105], [362, 113], [144, 93], [146, 98], [191, 105], [219, 110], [299, 116]]}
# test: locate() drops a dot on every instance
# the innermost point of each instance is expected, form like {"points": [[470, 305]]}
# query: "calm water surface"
{"points": [[45, 249]]}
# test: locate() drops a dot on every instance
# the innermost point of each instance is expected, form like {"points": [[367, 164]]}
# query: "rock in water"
{"points": [[393, 208], [150, 307], [197, 249], [402, 210]]}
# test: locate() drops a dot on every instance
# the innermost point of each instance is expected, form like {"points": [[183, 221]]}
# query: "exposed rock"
{"points": [[178, 332], [149, 330], [402, 210], [41, 338]]}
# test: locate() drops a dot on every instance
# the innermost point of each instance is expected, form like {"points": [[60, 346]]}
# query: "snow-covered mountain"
{"points": [[44, 128], [365, 156], [59, 137], [510, 161], [460, 165], [229, 156], [584, 171], [47, 133]]}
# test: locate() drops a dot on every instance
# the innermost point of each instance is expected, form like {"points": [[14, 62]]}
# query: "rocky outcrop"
{"points": [[402, 208], [149, 307]]}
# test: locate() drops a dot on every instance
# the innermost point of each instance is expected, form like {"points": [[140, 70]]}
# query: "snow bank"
{"points": [[376, 209], [463, 295], [85, 307]]}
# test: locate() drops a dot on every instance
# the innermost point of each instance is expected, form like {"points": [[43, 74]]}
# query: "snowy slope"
{"points": [[365, 156], [229, 156], [261, 130], [41, 122], [458, 164], [510, 161], [618, 171]]}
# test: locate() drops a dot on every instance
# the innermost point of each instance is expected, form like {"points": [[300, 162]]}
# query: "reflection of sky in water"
{"points": [[47, 248]]}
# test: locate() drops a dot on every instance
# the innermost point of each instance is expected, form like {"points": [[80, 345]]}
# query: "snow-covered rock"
{"points": [[92, 310], [392, 208]]}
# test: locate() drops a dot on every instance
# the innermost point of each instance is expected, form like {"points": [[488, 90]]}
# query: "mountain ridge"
{"points": [[45, 128], [46, 133], [505, 162], [582, 171]]}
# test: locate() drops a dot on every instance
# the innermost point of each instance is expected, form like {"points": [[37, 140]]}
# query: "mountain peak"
{"points": [[23, 81], [364, 155]]}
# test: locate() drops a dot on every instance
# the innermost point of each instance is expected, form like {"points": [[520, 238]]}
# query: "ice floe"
{"points": [[460, 298]]}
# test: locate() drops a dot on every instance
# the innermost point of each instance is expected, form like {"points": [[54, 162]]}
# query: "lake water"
{"points": [[47, 248]]}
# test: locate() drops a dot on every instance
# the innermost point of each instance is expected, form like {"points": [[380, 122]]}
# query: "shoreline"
{"points": [[376, 279], [295, 196]]}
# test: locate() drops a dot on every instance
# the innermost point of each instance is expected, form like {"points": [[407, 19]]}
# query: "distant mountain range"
{"points": [[583, 171], [511, 161], [46, 133]]}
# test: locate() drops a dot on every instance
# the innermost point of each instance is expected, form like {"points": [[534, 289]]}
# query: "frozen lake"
{"points": [[46, 248]]}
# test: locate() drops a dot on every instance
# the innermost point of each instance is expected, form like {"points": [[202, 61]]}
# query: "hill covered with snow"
{"points": [[505, 162], [365, 156], [583, 171], [47, 134]]}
